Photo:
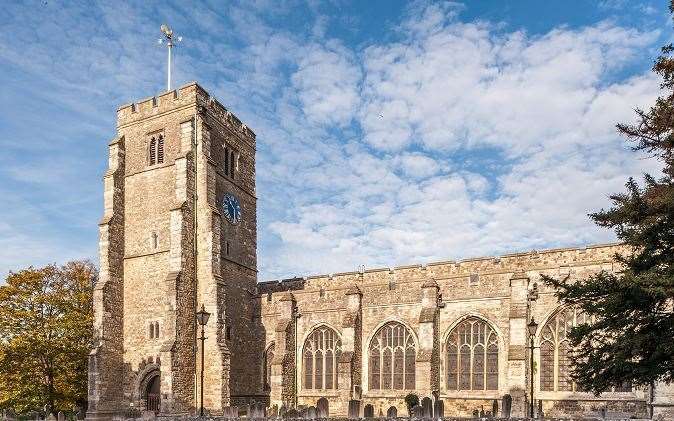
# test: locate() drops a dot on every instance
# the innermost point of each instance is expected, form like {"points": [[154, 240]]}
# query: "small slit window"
{"points": [[227, 161], [231, 164], [474, 280]]}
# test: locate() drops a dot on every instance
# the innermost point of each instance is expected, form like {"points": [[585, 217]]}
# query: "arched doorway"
{"points": [[153, 394]]}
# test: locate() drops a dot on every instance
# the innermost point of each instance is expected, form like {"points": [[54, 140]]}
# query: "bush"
{"points": [[411, 401]]}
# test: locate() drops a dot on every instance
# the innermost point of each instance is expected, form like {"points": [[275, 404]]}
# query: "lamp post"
{"points": [[532, 326], [202, 319]]}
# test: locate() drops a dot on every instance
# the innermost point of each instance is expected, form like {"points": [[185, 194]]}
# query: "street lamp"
{"points": [[202, 319], [532, 327]]}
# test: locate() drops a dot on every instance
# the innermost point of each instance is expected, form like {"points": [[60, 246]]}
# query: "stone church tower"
{"points": [[178, 232]]}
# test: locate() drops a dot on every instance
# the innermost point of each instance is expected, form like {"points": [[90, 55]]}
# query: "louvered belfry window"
{"points": [[160, 149], [153, 151]]}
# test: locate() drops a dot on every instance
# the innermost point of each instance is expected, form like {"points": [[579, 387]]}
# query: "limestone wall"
{"points": [[496, 293]]}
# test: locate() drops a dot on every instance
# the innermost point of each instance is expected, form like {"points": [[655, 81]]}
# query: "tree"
{"points": [[631, 335], [46, 326]]}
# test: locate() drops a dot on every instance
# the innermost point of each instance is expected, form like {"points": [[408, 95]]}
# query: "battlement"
{"points": [[560, 257], [189, 95]]}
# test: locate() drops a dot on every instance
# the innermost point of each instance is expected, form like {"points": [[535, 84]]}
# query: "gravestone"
{"points": [[282, 411], [494, 407], [418, 412], [439, 408], [427, 406], [311, 413], [368, 411], [481, 412], [61, 416], [51, 417], [292, 413], [80, 414], [476, 413], [323, 408], [506, 406], [392, 412], [354, 409]]}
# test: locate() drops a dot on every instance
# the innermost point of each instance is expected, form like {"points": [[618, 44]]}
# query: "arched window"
{"points": [[160, 150], [321, 355], [268, 359], [556, 350], [392, 356], [153, 151], [472, 356]]}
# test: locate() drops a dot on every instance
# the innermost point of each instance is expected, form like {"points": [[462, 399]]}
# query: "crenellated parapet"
{"points": [[184, 97]]}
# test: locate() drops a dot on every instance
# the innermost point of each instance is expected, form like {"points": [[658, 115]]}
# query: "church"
{"points": [[179, 233]]}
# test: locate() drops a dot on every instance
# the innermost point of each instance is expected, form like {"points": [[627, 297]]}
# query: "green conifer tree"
{"points": [[631, 338]]}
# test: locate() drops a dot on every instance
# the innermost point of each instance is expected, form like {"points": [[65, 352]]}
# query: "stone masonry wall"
{"points": [[396, 294]]}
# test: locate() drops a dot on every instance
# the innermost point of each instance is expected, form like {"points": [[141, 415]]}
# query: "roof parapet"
{"points": [[184, 96]]}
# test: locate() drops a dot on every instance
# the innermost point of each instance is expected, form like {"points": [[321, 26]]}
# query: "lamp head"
{"points": [[532, 327], [202, 316]]}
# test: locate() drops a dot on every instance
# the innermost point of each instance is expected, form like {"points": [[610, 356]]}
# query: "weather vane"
{"points": [[168, 37]]}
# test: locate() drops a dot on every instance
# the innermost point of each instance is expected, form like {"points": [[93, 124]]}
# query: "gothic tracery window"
{"points": [[321, 356], [472, 356], [556, 349], [392, 357]]}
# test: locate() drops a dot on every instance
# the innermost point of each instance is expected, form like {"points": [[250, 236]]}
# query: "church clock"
{"points": [[231, 208]]}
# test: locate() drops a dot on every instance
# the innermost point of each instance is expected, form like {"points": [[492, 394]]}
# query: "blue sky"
{"points": [[389, 132]]}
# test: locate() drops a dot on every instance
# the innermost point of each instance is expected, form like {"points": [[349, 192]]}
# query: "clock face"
{"points": [[232, 208]]}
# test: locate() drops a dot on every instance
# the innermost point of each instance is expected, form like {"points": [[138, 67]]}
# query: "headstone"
{"points": [[418, 412], [392, 412], [481, 412], [234, 411], [506, 406], [80, 414], [147, 415], [61, 416], [438, 409], [292, 413], [540, 408], [427, 406], [282, 411], [51, 417], [368, 411], [311, 413], [476, 413], [354, 409], [323, 408]]}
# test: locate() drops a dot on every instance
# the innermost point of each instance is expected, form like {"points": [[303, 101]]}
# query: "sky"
{"points": [[388, 132]]}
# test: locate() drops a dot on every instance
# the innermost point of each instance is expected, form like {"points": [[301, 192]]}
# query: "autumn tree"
{"points": [[45, 337], [631, 337]]}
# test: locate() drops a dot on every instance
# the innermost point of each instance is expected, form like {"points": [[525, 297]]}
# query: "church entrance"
{"points": [[152, 395]]}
